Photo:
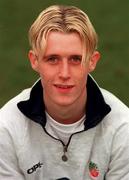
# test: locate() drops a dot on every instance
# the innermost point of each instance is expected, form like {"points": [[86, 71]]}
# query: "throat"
{"points": [[66, 115], [63, 131]]}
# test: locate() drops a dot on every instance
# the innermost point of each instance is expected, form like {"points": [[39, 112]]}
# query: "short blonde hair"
{"points": [[64, 19]]}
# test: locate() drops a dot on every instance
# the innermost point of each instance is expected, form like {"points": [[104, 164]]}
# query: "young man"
{"points": [[65, 126]]}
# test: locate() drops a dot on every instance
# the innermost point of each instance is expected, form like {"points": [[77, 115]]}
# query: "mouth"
{"points": [[64, 88]]}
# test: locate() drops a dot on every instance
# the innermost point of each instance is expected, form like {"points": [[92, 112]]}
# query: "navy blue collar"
{"points": [[96, 107]]}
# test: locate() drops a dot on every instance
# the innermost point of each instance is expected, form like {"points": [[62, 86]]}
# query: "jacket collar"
{"points": [[96, 107]]}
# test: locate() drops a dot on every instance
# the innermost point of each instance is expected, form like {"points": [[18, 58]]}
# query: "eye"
{"points": [[52, 59], [76, 59]]}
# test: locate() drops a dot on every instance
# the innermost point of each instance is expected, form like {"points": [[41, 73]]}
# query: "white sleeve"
{"points": [[119, 163], [9, 169]]}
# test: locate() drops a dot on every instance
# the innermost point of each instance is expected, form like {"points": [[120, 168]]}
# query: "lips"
{"points": [[64, 86]]}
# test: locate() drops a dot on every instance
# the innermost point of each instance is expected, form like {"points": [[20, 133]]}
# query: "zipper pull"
{"points": [[64, 157]]}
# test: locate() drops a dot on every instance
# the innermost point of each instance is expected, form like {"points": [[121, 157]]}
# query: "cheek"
{"points": [[47, 77], [82, 82], [82, 78], [45, 72], [82, 75]]}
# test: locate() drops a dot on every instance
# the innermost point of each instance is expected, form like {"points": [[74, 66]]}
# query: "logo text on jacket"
{"points": [[34, 168]]}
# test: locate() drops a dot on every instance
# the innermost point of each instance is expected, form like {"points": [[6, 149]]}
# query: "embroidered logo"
{"points": [[34, 168], [93, 170]]}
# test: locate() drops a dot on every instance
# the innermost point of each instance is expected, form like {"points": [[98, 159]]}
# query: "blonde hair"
{"points": [[64, 19]]}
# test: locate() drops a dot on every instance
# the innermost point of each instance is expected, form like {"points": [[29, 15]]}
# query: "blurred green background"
{"points": [[111, 21]]}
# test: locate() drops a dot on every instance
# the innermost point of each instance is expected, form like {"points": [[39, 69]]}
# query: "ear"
{"points": [[93, 61], [33, 60]]}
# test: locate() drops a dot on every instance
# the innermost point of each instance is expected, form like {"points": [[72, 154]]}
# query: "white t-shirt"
{"points": [[63, 131]]}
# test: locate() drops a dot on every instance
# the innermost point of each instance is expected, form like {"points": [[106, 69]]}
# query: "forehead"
{"points": [[59, 42]]}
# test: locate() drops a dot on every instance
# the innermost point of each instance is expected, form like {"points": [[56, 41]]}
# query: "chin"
{"points": [[64, 103]]}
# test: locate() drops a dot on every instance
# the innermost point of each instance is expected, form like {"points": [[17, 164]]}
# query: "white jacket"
{"points": [[28, 152]]}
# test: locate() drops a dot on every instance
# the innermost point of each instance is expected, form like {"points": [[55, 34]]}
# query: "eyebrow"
{"points": [[76, 55], [50, 55], [56, 55]]}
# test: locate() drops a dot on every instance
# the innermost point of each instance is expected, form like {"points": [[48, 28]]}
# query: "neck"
{"points": [[67, 114]]}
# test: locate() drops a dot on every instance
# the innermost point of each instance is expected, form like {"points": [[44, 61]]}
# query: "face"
{"points": [[62, 75]]}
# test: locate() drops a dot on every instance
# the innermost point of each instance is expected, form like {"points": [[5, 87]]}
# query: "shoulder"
{"points": [[119, 114], [114, 102], [9, 113], [114, 128], [13, 124]]}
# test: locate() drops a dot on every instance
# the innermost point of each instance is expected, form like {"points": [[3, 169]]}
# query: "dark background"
{"points": [[111, 21]]}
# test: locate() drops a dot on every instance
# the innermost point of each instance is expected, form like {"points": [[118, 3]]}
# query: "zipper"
{"points": [[65, 147], [64, 156]]}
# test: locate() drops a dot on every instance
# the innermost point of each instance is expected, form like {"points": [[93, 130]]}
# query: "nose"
{"points": [[64, 70]]}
